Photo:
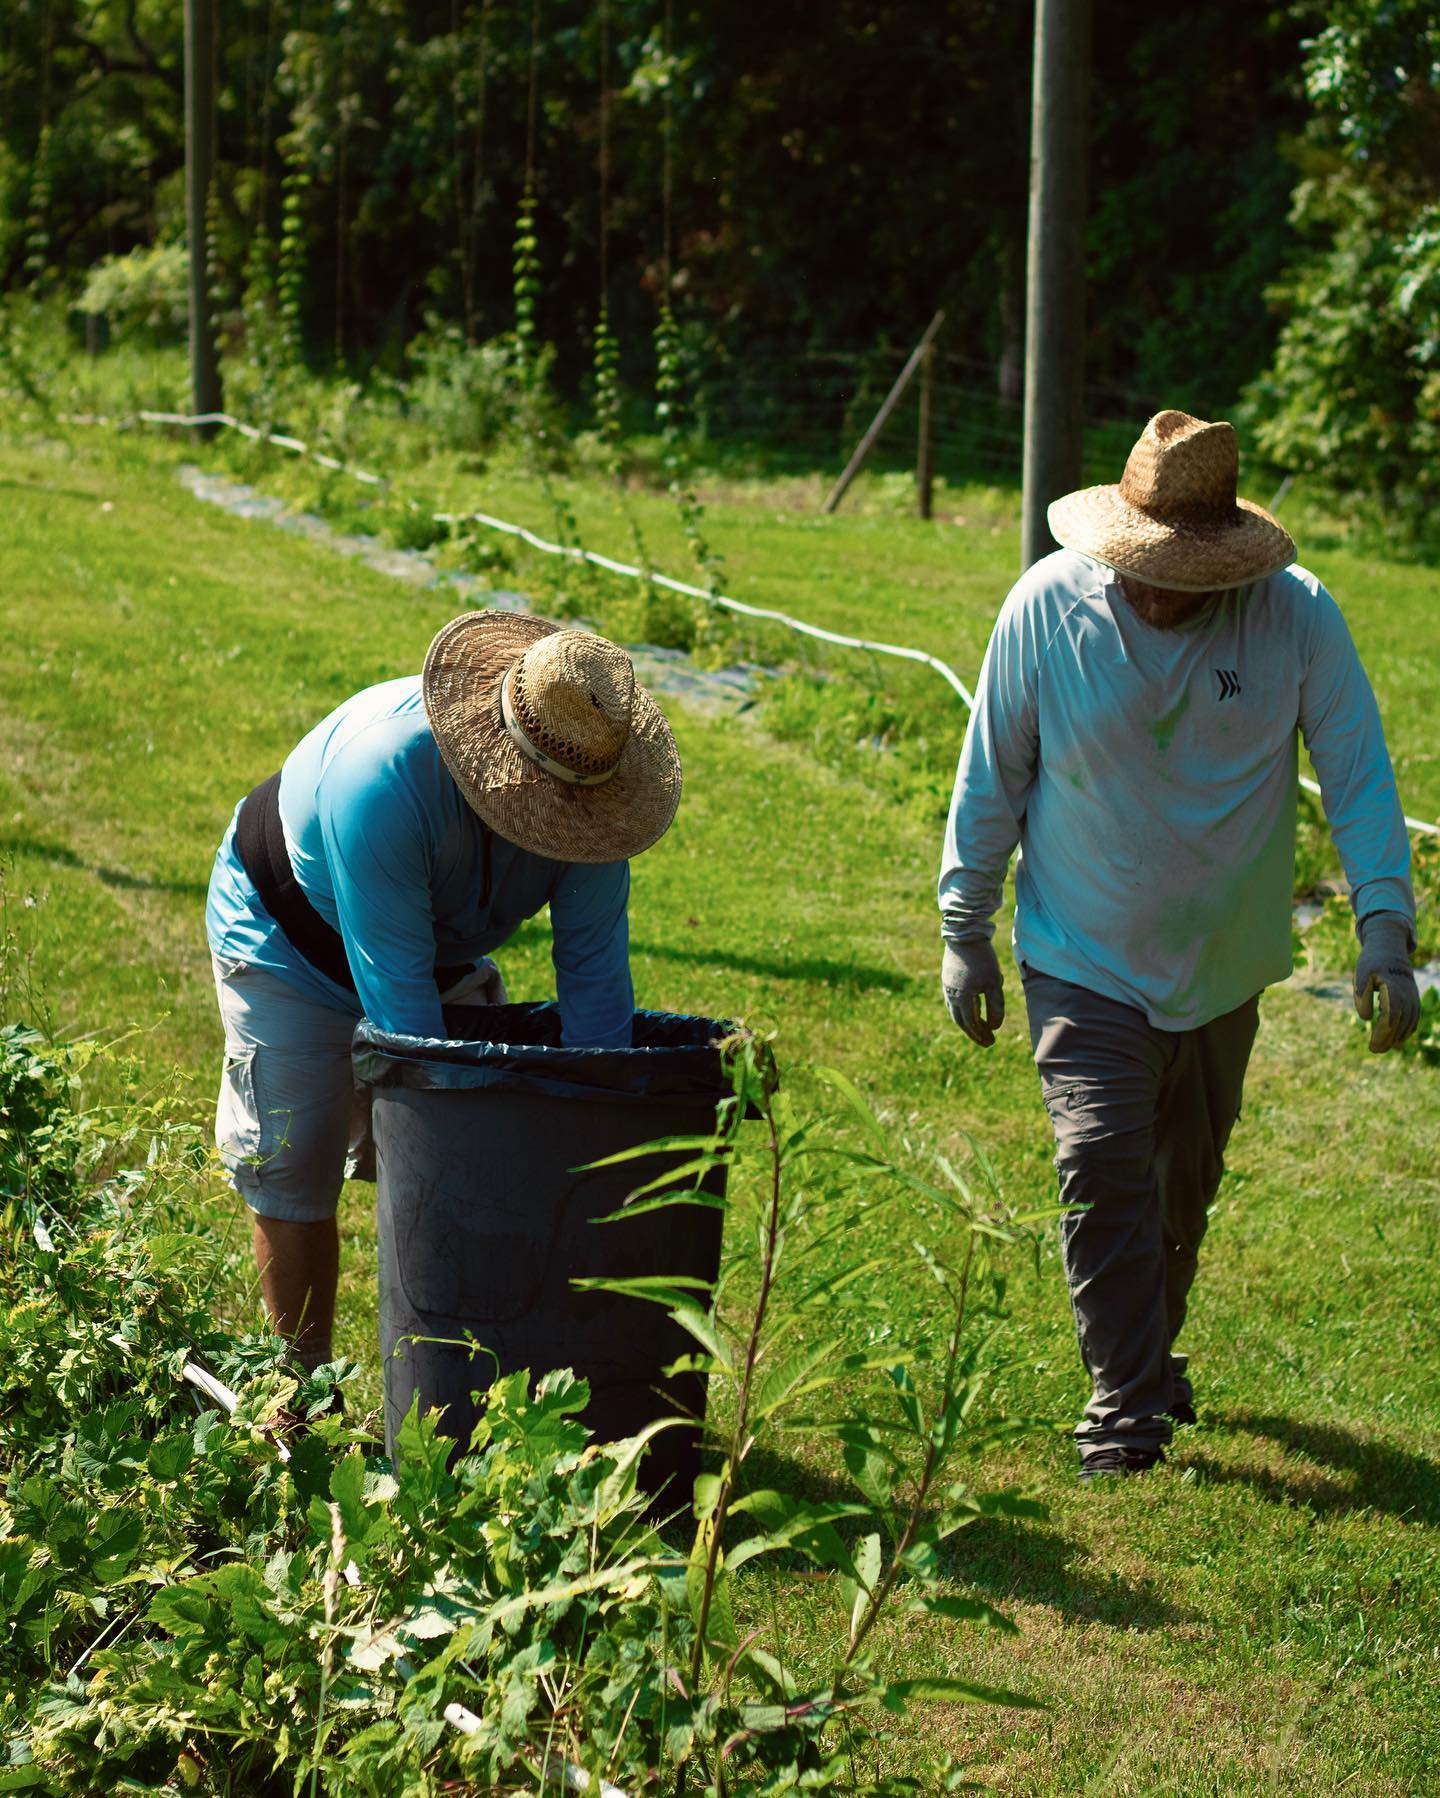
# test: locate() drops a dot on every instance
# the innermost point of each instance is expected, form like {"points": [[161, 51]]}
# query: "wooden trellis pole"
{"points": [[925, 448], [199, 163], [1055, 273]]}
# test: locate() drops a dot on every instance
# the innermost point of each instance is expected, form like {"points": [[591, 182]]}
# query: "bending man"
{"points": [[406, 836], [1135, 733]]}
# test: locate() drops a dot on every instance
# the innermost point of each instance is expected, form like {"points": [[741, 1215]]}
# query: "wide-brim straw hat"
{"points": [[550, 737], [1173, 519]]}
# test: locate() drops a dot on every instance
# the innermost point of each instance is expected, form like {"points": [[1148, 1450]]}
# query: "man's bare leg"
{"points": [[299, 1265]]}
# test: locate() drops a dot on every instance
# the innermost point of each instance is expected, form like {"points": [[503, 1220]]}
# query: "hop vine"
{"points": [[670, 419], [37, 244], [290, 263], [571, 581], [607, 382], [526, 267]]}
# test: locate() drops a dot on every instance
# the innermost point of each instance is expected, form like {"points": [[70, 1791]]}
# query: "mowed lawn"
{"points": [[1261, 1615]]}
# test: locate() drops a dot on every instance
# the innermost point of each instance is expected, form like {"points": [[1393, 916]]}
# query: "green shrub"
{"points": [[481, 551], [1353, 393], [413, 527], [145, 291], [641, 612], [471, 396], [199, 1602]]}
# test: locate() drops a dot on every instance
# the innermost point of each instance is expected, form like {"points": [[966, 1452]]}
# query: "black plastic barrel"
{"points": [[484, 1221]]}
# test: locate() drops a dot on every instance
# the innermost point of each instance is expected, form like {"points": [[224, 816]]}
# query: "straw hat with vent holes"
{"points": [[550, 738], [1174, 519]]}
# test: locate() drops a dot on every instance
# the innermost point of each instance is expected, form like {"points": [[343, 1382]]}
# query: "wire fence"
{"points": [[812, 408]]}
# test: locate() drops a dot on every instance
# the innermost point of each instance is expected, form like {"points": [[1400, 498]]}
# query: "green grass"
{"points": [[1261, 1615], [873, 570]]}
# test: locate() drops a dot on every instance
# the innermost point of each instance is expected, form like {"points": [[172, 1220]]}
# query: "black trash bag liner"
{"points": [[669, 1054], [483, 1220]]}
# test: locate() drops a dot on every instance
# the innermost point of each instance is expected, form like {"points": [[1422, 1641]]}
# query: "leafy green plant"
{"points": [[272, 383], [1352, 391], [567, 583], [413, 527], [525, 268], [292, 256], [266, 385], [649, 614], [37, 232], [853, 719], [469, 395], [196, 1601], [605, 364], [773, 1340], [22, 1001], [480, 551], [669, 417], [26, 369], [145, 290]]}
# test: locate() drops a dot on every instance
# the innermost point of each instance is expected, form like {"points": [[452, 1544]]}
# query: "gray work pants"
{"points": [[1141, 1119]]}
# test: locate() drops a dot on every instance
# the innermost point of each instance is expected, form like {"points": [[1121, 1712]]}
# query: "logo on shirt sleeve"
{"points": [[1229, 681]]}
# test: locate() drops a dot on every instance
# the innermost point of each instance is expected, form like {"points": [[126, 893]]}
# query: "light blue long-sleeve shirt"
{"points": [[390, 855], [1149, 777]]}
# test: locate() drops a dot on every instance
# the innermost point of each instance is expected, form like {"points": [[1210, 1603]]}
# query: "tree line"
{"points": [[1265, 184]]}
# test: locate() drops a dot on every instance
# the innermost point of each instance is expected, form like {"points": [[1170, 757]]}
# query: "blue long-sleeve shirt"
{"points": [[387, 851], [1149, 777]]}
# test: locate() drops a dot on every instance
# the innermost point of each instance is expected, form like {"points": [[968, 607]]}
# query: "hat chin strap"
{"points": [[531, 751]]}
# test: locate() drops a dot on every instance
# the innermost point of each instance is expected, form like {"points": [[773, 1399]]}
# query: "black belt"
{"points": [[260, 844]]}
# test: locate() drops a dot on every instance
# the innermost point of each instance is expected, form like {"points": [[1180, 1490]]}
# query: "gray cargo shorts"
{"points": [[290, 1123]]}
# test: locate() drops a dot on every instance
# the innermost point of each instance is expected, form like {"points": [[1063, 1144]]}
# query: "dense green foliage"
{"points": [[240, 1604], [1355, 387], [1265, 208], [827, 186]]}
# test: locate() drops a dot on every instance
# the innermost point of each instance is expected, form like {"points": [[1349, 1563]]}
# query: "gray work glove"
{"points": [[1385, 981], [968, 974]]}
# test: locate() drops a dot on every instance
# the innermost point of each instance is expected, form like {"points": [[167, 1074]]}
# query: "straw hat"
{"points": [[549, 737], [1174, 520]]}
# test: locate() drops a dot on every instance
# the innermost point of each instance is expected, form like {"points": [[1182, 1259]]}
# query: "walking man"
{"points": [[406, 836], [1134, 732]]}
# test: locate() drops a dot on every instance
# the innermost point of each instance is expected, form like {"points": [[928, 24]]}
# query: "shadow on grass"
{"points": [[814, 968], [1341, 1470], [61, 857], [1007, 1559], [47, 487], [1010, 1561]]}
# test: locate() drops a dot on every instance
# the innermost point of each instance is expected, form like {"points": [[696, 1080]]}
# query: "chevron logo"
{"points": [[1229, 682]]}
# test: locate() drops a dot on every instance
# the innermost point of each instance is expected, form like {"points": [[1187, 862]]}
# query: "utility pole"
{"points": [[1055, 272], [199, 162]]}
